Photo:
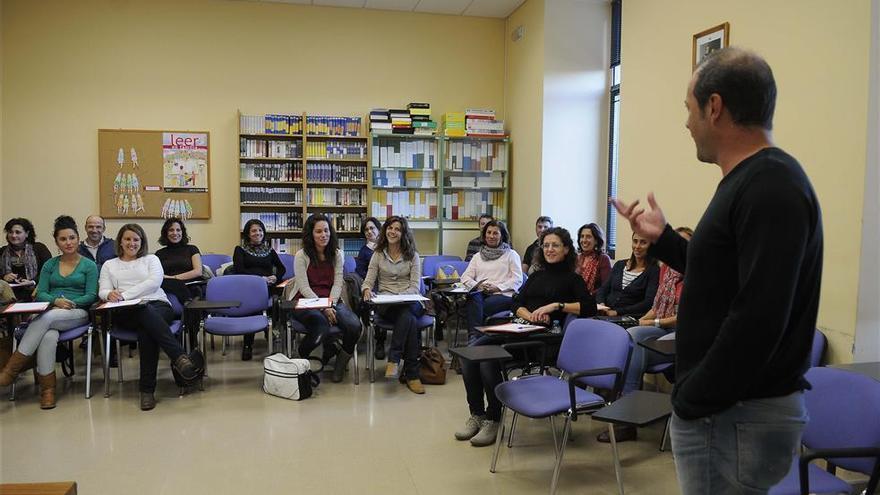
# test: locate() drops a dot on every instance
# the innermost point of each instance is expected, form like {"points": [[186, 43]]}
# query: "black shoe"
{"points": [[148, 401], [380, 350], [184, 366], [621, 434], [247, 353]]}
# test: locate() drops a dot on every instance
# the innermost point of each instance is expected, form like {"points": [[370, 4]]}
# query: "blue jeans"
{"points": [[641, 358], [479, 306], [745, 449], [318, 329]]}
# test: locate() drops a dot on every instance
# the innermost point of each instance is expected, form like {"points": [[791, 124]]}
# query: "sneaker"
{"points": [[148, 401], [621, 434], [391, 370], [471, 428], [486, 435], [415, 386]]}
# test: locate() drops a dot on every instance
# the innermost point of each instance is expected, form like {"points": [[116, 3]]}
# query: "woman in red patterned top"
{"points": [[593, 265]]}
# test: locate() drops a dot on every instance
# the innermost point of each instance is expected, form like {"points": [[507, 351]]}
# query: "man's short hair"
{"points": [[745, 83], [544, 219], [486, 216]]}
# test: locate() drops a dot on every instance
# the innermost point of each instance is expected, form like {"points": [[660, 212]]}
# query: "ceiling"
{"points": [[477, 8]]}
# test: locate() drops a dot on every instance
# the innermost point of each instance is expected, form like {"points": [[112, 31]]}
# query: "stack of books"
{"points": [[420, 113], [404, 178], [270, 124], [481, 123], [401, 122], [380, 121], [454, 124], [328, 125], [415, 205], [469, 205]]}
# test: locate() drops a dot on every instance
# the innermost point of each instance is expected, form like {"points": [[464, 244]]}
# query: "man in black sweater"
{"points": [[751, 288]]}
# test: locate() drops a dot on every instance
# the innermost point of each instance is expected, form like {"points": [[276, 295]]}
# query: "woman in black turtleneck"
{"points": [[548, 295], [181, 261]]}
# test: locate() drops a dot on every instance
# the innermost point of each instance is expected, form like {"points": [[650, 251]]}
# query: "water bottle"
{"points": [[556, 328]]}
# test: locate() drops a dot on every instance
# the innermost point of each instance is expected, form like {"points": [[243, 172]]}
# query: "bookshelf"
{"points": [[294, 165], [441, 184]]}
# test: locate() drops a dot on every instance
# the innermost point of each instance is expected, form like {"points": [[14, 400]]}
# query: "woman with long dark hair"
{"points": [[396, 269], [593, 265], [631, 288], [319, 268], [22, 258]]}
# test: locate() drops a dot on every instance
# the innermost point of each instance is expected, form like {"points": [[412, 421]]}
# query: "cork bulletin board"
{"points": [[154, 174]]}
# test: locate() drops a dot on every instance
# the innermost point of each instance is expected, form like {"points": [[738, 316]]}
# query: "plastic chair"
{"points": [[125, 334], [430, 263], [294, 326], [350, 265], [214, 261], [818, 349], [287, 260], [377, 323], [248, 318], [593, 353], [843, 429]]}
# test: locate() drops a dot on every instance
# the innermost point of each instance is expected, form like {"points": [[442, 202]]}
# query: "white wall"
{"points": [[574, 153], [867, 340]]}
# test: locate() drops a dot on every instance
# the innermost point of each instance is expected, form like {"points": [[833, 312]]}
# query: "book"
{"points": [[313, 303], [118, 304], [26, 307]]}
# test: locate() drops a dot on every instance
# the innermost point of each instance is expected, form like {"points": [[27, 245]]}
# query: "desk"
{"points": [[59, 488], [481, 353], [871, 370], [638, 408], [663, 347]]}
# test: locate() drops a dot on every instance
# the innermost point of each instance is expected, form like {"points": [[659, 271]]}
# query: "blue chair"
{"points": [[593, 353], [507, 315], [430, 263], [294, 326], [379, 324], [215, 261], [287, 260], [350, 265], [125, 334], [843, 429], [248, 318], [817, 352]]}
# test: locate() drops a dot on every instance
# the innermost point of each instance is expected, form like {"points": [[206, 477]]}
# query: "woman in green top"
{"points": [[70, 284]]}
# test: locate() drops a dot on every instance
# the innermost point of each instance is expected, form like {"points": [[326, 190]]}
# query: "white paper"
{"points": [[29, 283], [120, 304], [30, 307], [397, 298], [512, 328], [313, 303]]}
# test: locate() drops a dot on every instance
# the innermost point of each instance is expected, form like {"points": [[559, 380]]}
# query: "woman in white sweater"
{"points": [[138, 275], [318, 269], [493, 276]]}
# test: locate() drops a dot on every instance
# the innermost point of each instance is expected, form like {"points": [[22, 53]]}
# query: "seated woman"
{"points": [[319, 265], [70, 283], [631, 288], [498, 270], [657, 322], [22, 258], [396, 269], [181, 261], [138, 275], [548, 295], [592, 262], [255, 257], [370, 230]]}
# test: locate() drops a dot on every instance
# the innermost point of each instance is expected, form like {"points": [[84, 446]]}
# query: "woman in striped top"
{"points": [[631, 288]]}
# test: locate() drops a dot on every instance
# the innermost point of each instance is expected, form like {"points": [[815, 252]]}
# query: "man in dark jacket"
{"points": [[751, 289], [95, 246]]}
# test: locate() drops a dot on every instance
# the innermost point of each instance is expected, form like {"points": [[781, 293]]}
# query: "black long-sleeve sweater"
{"points": [[751, 288], [637, 298], [245, 263], [555, 284]]}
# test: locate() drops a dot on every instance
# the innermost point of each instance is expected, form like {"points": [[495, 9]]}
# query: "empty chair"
{"points": [[246, 319], [287, 260], [350, 265], [215, 261], [431, 263], [593, 353], [843, 429]]}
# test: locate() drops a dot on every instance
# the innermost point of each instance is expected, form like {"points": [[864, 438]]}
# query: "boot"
{"points": [[13, 367], [47, 391], [342, 359], [5, 350]]}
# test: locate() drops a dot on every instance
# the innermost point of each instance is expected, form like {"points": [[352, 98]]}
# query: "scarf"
{"points": [[588, 267], [665, 301], [28, 259], [260, 251], [492, 254]]}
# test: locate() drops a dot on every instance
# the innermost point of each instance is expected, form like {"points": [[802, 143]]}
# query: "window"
{"points": [[613, 128]]}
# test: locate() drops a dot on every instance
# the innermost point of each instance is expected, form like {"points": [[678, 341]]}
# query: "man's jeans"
{"points": [[743, 450]]}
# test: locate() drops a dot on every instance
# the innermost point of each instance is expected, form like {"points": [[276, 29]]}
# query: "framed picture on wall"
{"points": [[710, 40]]}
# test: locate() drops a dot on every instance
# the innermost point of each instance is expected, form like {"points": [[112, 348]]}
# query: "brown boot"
{"points": [[5, 350], [47, 391], [13, 367]]}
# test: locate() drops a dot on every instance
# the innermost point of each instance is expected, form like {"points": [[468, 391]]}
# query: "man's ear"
{"points": [[714, 107]]}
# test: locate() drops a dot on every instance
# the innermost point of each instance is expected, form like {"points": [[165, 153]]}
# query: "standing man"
{"points": [[541, 224], [474, 245], [95, 246], [751, 288]]}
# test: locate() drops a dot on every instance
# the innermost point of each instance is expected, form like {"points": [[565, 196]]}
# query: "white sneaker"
{"points": [[471, 427], [487, 434], [391, 370]]}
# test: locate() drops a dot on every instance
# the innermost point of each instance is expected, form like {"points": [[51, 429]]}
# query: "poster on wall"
{"points": [[154, 174]]}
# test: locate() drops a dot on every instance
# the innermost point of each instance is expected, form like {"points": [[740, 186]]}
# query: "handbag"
{"points": [[432, 366], [288, 378]]}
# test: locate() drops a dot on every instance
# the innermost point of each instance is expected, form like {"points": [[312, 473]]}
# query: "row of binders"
{"points": [[270, 124], [325, 125], [330, 172], [260, 148], [395, 153], [474, 156], [272, 195], [271, 172], [416, 205], [404, 178], [275, 221], [494, 180], [331, 196], [469, 205], [336, 149]]}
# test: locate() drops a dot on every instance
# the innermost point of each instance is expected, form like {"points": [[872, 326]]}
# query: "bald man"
{"points": [[95, 246]]}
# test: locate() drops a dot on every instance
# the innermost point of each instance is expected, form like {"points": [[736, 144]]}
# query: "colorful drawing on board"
{"points": [[185, 162], [134, 158], [120, 158], [177, 208]]}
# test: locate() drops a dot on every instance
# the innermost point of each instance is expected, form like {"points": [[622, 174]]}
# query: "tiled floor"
{"points": [[232, 438]]}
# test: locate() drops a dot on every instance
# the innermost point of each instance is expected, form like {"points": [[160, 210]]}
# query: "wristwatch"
{"points": [[560, 306], [657, 322]]}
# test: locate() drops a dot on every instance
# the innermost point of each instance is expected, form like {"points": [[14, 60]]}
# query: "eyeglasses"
{"points": [[551, 246]]}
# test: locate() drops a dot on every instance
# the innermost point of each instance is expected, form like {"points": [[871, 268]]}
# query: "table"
{"points": [[638, 408], [58, 488], [481, 353], [871, 369], [663, 347]]}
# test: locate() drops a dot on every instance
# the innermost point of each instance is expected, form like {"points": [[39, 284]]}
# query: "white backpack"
{"points": [[288, 378]]}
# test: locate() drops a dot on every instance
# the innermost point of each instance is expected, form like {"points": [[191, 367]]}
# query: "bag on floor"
{"points": [[432, 366], [288, 378]]}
